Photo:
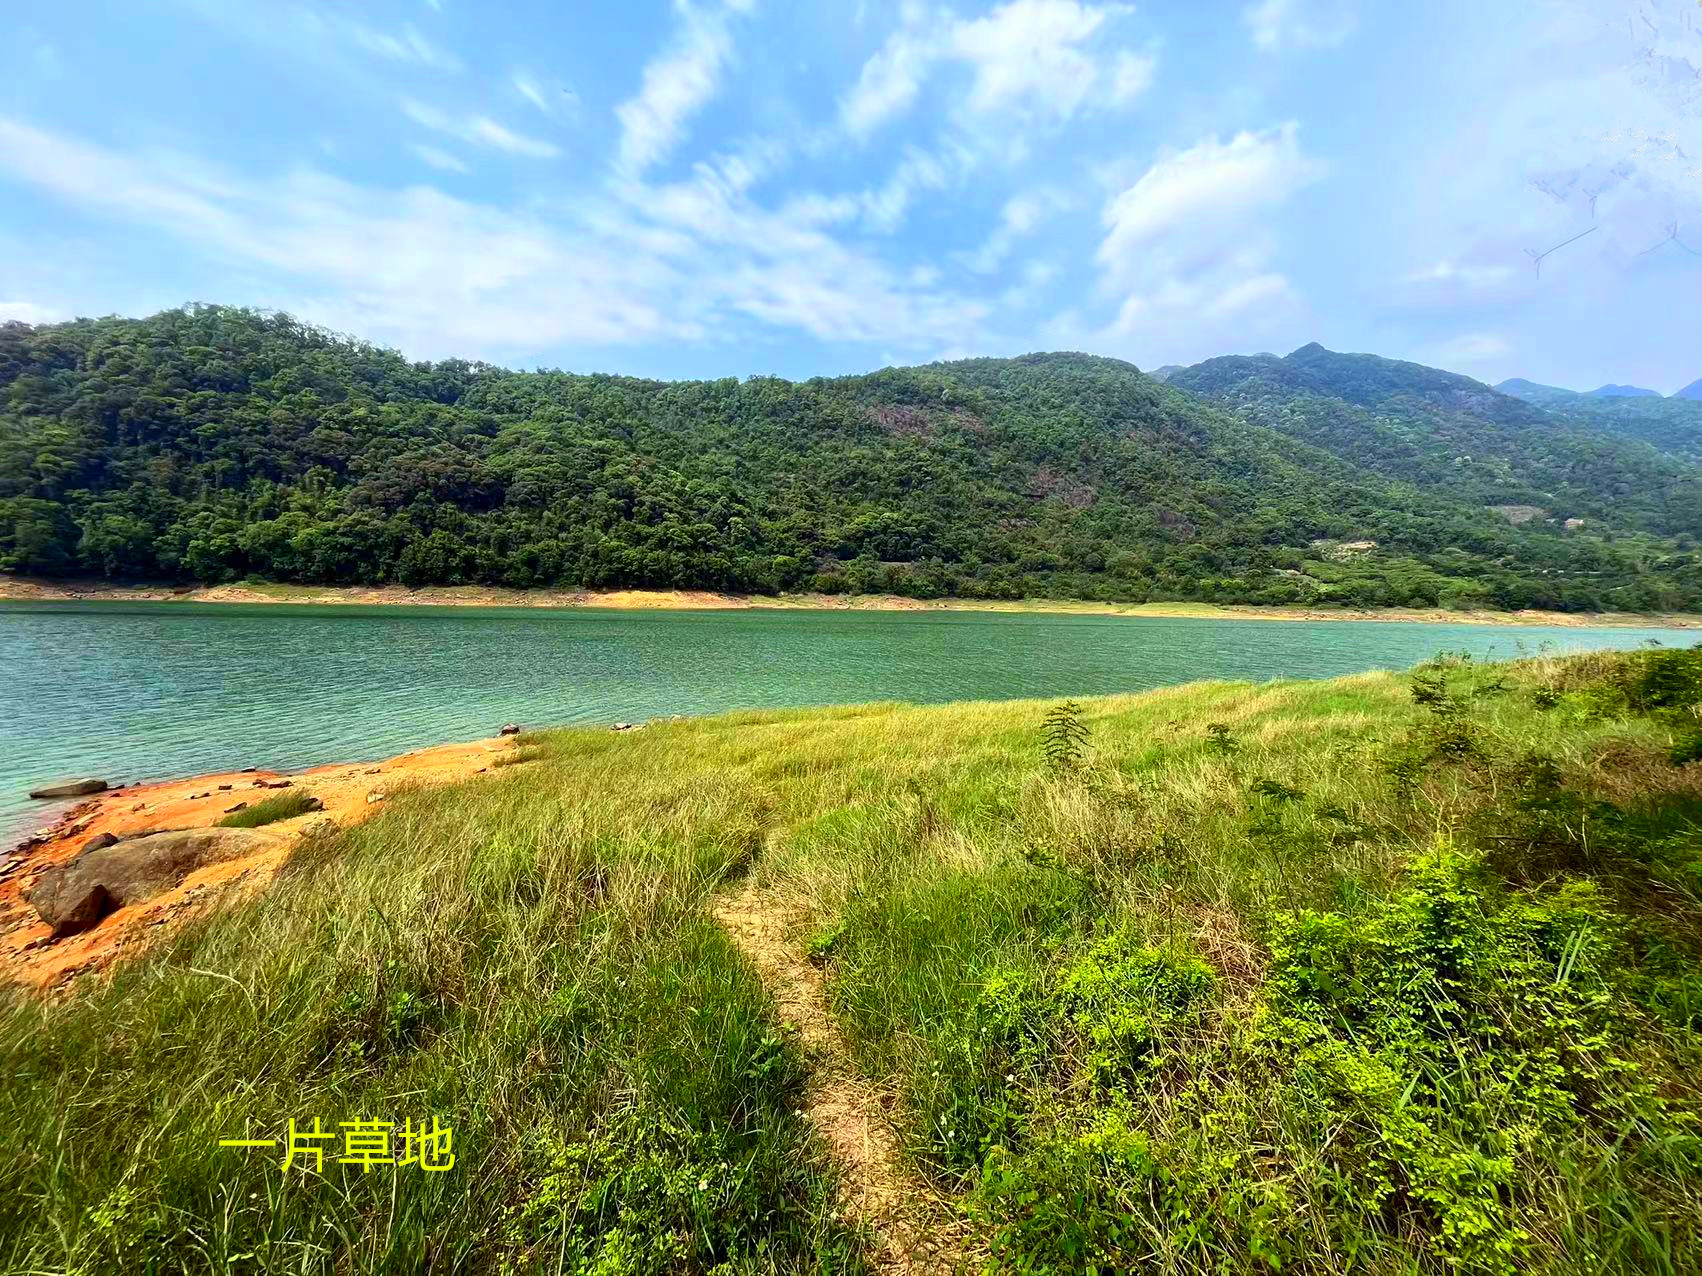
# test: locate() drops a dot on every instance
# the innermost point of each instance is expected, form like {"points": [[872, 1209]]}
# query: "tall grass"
{"points": [[531, 959], [280, 806]]}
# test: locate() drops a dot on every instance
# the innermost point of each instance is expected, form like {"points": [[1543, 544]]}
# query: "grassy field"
{"points": [[1390, 974]]}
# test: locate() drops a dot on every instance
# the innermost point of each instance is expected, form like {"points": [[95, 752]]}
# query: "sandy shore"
{"points": [[23, 589], [349, 792]]}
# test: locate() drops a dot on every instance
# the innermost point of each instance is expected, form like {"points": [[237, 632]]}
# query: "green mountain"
{"points": [[1448, 434], [1672, 425], [216, 444], [1544, 396], [1623, 392]]}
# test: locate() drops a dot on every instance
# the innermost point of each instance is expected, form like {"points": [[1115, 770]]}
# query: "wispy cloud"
{"points": [[1021, 214], [405, 44], [479, 130], [885, 206], [552, 101], [676, 84], [438, 159], [439, 275]]}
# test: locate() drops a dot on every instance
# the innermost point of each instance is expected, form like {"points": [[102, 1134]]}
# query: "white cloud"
{"points": [[480, 130], [884, 208], [676, 85], [1131, 76], [694, 260], [1020, 215], [1188, 250], [1028, 54], [1190, 203], [891, 79], [1276, 25], [438, 159], [1035, 59]]}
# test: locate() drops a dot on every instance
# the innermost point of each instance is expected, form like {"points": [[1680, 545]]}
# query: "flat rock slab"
{"points": [[74, 896], [70, 788]]}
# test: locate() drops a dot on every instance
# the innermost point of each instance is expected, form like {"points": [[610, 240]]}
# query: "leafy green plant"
{"points": [[1064, 736], [822, 943], [1220, 741]]}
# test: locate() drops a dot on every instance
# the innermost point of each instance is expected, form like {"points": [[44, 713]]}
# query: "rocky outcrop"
{"points": [[74, 896], [69, 789]]}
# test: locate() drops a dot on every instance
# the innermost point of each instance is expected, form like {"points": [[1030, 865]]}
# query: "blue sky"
{"points": [[735, 187]]}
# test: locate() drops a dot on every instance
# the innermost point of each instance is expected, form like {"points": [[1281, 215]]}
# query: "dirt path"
{"points": [[917, 1231]]}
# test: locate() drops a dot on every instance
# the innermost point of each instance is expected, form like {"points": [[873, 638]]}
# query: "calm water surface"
{"points": [[131, 691]]}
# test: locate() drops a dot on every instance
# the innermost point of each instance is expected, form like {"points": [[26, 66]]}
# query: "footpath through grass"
{"points": [[1386, 974]]}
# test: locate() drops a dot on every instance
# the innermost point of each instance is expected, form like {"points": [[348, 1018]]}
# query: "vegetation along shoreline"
{"points": [[34, 589]]}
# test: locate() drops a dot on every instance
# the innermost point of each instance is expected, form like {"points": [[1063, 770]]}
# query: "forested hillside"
{"points": [[1672, 425], [1408, 422], [216, 444]]}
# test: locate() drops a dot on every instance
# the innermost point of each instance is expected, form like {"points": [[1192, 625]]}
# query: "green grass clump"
{"points": [[1390, 974], [280, 806]]}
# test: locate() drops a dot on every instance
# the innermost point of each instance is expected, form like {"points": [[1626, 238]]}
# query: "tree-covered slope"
{"points": [[1448, 433], [214, 443], [1672, 425]]}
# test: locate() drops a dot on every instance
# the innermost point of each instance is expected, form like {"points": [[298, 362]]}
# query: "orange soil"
{"points": [[27, 589], [29, 954]]}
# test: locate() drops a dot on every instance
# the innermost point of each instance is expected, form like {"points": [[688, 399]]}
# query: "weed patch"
{"points": [[281, 806]]}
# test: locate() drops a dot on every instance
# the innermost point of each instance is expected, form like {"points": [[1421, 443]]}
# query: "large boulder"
{"points": [[69, 788], [72, 897]]}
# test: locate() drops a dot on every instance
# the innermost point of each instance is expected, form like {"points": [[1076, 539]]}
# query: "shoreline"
{"points": [[27, 589], [347, 792]]}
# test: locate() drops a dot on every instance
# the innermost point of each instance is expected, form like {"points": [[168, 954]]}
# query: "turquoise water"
{"points": [[131, 691]]}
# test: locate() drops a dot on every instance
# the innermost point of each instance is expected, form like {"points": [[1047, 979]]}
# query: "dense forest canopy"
{"points": [[213, 444]]}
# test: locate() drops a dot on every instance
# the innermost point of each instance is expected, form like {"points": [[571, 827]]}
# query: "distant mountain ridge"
{"points": [[1672, 424], [1544, 395]]}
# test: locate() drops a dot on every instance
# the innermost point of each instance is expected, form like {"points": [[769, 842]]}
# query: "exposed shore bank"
{"points": [[26, 589], [347, 793]]}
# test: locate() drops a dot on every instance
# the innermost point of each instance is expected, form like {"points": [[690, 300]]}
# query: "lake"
{"points": [[132, 691]]}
